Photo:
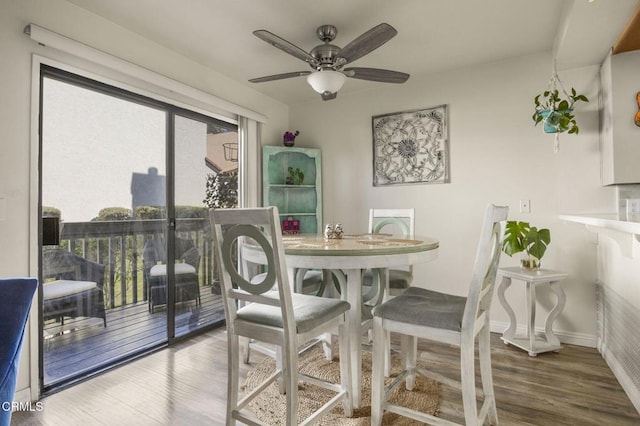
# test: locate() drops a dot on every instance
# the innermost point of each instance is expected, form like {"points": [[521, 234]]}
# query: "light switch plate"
{"points": [[633, 209]]}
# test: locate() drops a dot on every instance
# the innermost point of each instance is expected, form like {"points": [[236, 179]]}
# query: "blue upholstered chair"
{"points": [[16, 295]]}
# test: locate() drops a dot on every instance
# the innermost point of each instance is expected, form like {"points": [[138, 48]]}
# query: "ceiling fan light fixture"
{"points": [[326, 81]]}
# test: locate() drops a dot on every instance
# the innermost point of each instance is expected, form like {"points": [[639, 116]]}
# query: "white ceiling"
{"points": [[433, 35]]}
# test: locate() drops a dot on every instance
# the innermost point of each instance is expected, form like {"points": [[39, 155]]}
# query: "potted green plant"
{"points": [[296, 176], [554, 109], [522, 237]]}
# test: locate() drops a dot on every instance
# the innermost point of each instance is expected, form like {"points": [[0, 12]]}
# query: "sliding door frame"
{"points": [[43, 67]]}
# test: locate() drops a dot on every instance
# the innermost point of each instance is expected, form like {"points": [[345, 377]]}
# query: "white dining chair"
{"points": [[274, 314], [397, 220], [455, 320], [377, 287]]}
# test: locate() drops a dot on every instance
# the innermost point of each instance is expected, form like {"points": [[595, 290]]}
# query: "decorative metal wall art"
{"points": [[411, 147]]}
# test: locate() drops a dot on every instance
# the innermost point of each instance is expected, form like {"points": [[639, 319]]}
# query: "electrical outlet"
{"points": [[633, 210], [525, 206]]}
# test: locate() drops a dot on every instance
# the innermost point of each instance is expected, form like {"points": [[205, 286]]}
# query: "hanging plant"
{"points": [[554, 109]]}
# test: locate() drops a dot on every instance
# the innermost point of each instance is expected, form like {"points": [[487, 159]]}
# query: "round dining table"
{"points": [[347, 257]]}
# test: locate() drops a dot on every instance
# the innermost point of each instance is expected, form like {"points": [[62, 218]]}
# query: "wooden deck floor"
{"points": [[186, 385], [86, 344]]}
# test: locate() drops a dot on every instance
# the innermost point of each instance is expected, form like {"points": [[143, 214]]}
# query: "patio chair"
{"points": [[187, 285], [274, 315], [454, 320], [76, 289], [16, 295]]}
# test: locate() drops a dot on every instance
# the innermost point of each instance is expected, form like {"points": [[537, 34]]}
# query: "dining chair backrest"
{"points": [[403, 219], [485, 267], [262, 226]]}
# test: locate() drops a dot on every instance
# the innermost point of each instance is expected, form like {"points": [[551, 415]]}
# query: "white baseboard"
{"points": [[579, 339]]}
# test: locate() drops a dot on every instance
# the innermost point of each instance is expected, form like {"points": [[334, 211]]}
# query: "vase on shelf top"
{"points": [[530, 263], [289, 138]]}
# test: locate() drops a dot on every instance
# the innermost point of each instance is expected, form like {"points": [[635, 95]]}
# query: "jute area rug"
{"points": [[270, 406]]}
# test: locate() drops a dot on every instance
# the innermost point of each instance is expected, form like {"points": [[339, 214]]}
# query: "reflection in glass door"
{"points": [[126, 182], [206, 175], [103, 158]]}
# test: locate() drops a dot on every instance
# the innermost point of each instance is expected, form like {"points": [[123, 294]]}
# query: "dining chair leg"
{"points": [[377, 377], [326, 346], [409, 351], [290, 379], [484, 352], [345, 368], [245, 349], [282, 385], [468, 381], [387, 353], [233, 369]]}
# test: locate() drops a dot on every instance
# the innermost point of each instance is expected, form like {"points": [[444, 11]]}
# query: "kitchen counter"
{"points": [[626, 233]]}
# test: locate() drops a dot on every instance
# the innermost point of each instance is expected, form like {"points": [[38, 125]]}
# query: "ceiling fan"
{"points": [[328, 60]]}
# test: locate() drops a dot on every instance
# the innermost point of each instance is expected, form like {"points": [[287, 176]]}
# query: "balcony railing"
{"points": [[118, 245]]}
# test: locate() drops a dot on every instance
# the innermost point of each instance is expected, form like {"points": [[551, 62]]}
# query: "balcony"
{"points": [[76, 345]]}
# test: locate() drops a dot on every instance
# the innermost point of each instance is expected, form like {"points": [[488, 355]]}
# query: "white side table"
{"points": [[530, 343]]}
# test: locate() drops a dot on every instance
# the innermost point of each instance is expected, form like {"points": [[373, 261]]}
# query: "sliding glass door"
{"points": [[205, 170], [126, 258]]}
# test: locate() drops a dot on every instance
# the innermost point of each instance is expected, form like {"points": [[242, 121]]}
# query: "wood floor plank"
{"points": [[186, 384]]}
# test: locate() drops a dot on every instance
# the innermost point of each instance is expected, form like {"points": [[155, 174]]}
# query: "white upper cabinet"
{"points": [[619, 134]]}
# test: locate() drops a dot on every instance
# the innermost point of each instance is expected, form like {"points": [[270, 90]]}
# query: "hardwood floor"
{"points": [[186, 385]]}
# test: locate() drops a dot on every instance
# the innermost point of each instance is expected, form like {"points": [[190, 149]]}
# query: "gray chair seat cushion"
{"points": [[398, 278], [424, 307], [309, 311]]}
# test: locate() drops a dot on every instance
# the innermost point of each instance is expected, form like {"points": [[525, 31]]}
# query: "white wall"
{"points": [[17, 217], [496, 155]]}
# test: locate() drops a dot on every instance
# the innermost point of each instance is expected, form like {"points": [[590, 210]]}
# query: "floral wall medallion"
{"points": [[411, 147]]}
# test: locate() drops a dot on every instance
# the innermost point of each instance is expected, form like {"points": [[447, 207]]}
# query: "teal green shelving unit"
{"points": [[302, 202]]}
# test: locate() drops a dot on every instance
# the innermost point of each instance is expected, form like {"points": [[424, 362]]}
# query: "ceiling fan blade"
{"points": [[376, 74], [327, 96], [367, 42], [279, 76], [284, 45]]}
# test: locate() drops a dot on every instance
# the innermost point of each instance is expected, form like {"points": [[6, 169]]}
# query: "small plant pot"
{"points": [[288, 180], [551, 120], [548, 121], [530, 263]]}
